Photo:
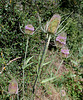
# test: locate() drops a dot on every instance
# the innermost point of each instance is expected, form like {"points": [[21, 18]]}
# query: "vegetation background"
{"points": [[15, 14]]}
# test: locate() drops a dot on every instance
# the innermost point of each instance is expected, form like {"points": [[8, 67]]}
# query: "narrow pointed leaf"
{"points": [[46, 63], [48, 79], [28, 60], [27, 65], [74, 62]]}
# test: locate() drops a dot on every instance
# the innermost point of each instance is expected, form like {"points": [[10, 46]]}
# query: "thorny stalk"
{"points": [[24, 63], [41, 61]]}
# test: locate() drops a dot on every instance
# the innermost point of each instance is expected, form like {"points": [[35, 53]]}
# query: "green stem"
{"points": [[17, 96], [12, 97], [24, 62], [41, 61]]}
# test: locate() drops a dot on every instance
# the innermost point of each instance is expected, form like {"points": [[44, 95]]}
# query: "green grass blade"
{"points": [[46, 63], [27, 65], [28, 60]]}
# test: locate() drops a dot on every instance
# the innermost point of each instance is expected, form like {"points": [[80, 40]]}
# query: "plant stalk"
{"points": [[24, 62], [42, 61]]}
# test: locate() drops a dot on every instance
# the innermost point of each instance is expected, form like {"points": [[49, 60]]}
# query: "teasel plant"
{"points": [[51, 29], [29, 30], [60, 43]]}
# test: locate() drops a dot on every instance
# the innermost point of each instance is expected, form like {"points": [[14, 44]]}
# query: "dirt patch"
{"points": [[49, 93]]}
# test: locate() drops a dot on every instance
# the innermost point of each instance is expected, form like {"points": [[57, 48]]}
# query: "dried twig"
{"points": [[9, 63], [13, 60]]}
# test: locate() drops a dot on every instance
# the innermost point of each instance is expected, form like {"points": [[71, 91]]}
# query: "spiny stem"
{"points": [[41, 61], [24, 63]]}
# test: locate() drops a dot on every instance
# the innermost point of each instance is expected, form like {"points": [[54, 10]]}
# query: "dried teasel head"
{"points": [[13, 87], [53, 24]]}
